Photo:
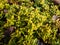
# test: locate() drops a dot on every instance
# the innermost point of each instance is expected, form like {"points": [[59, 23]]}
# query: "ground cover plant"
{"points": [[29, 22]]}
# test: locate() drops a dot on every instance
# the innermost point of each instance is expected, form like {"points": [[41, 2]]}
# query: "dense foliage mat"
{"points": [[25, 22]]}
